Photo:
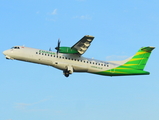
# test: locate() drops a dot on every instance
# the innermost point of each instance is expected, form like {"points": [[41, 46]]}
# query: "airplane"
{"points": [[70, 59]]}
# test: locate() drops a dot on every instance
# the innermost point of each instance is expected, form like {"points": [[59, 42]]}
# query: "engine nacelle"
{"points": [[67, 50]]}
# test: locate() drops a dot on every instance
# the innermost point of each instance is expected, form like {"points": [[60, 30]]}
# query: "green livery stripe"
{"points": [[67, 50], [140, 59], [134, 66], [123, 72]]}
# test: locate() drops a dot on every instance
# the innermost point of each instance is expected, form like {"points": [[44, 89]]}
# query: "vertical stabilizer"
{"points": [[139, 60]]}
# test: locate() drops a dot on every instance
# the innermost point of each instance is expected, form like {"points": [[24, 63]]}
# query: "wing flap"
{"points": [[83, 44]]}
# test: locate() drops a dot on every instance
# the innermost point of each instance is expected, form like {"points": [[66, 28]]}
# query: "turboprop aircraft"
{"points": [[69, 59]]}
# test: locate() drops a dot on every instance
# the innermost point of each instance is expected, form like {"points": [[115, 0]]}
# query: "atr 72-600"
{"points": [[69, 59]]}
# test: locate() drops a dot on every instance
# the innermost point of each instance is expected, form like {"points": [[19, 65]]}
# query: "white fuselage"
{"points": [[71, 62]]}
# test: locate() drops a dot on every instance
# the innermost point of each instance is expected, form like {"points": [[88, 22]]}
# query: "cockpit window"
{"points": [[16, 47]]}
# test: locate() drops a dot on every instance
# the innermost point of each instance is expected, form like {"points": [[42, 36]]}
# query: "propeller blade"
{"points": [[58, 46]]}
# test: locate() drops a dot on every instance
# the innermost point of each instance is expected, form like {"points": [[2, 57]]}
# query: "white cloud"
{"points": [[26, 106], [83, 17], [52, 16], [54, 12], [22, 106]]}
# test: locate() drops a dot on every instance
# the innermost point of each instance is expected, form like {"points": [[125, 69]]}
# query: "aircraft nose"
{"points": [[5, 52]]}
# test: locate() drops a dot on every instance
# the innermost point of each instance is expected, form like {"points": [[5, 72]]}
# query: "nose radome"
{"points": [[4, 52]]}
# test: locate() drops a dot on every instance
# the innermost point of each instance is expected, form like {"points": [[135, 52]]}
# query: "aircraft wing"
{"points": [[83, 44]]}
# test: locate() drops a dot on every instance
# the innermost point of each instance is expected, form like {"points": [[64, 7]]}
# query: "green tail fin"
{"points": [[139, 60]]}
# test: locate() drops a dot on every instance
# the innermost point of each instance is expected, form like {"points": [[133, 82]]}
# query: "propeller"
{"points": [[58, 46]]}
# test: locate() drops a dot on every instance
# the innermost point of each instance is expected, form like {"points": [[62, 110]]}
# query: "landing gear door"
{"points": [[70, 69]]}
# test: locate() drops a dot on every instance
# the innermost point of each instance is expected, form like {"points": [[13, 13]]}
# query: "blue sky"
{"points": [[36, 92]]}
